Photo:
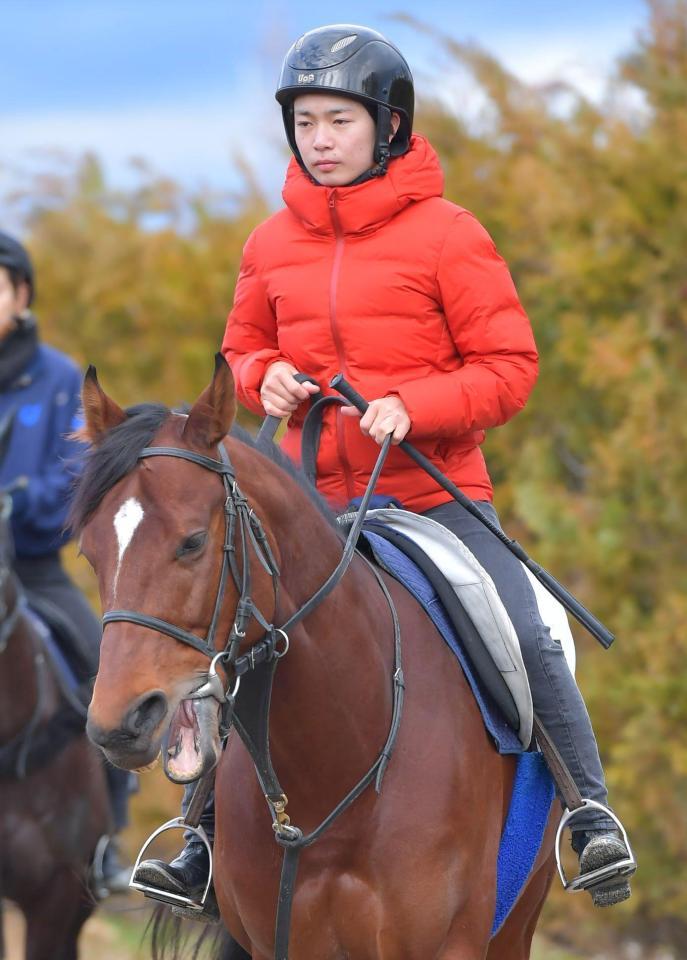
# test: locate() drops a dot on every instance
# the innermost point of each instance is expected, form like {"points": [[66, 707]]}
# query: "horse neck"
{"points": [[332, 696], [18, 675]]}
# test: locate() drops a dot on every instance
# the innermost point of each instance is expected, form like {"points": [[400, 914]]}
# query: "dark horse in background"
{"points": [[409, 874], [54, 806]]}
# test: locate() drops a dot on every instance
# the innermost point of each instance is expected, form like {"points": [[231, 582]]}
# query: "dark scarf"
{"points": [[17, 350]]}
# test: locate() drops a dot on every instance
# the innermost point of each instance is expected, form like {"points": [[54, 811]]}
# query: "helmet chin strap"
{"points": [[382, 147]]}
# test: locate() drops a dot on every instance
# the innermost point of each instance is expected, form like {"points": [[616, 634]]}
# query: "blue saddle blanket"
{"points": [[533, 791], [66, 675]]}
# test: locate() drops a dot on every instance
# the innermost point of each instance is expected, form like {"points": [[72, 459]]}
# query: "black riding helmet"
{"points": [[359, 63], [13, 257]]}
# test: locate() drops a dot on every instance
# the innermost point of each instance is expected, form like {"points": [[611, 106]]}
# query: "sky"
{"points": [[188, 86]]}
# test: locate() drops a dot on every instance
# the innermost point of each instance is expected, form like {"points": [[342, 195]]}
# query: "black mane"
{"points": [[117, 455], [273, 453]]}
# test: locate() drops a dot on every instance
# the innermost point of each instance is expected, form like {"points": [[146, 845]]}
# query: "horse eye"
{"points": [[192, 543]]}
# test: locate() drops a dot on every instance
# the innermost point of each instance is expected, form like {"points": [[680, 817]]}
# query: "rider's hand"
{"points": [[387, 415], [280, 393]]}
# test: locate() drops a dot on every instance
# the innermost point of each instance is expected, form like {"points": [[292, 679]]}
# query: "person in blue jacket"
{"points": [[41, 387]]}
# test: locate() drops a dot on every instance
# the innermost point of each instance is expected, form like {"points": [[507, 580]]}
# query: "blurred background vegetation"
{"points": [[588, 205]]}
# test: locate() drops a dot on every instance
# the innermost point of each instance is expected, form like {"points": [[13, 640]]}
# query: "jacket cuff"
{"points": [[249, 372], [430, 419]]}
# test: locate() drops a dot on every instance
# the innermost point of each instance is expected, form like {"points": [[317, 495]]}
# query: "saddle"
{"points": [[73, 672], [74, 662], [472, 605], [39, 742]]}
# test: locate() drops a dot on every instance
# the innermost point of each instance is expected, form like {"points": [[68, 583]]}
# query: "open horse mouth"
{"points": [[193, 744]]}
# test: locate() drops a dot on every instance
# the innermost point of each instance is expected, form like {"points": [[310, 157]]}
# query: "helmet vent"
{"points": [[344, 42]]}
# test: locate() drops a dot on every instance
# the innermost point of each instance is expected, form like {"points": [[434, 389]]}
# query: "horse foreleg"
{"points": [[55, 916]]}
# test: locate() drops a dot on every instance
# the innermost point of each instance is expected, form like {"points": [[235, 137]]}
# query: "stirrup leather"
{"points": [[174, 899], [97, 883], [595, 878]]}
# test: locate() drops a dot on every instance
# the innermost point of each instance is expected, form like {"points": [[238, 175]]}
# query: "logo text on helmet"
{"points": [[306, 77], [344, 42]]}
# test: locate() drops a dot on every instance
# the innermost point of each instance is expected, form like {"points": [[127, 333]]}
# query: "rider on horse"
{"points": [[370, 272], [41, 386]]}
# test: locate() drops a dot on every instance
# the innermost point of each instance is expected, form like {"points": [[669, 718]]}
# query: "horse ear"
{"points": [[212, 415], [101, 413]]}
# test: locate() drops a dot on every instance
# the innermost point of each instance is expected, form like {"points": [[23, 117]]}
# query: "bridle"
{"points": [[15, 753], [260, 662], [238, 517], [9, 618]]}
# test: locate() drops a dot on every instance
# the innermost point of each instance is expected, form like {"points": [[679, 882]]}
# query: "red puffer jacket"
{"points": [[404, 293]]}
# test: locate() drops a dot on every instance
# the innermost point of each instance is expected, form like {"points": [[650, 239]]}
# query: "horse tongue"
{"points": [[193, 745]]}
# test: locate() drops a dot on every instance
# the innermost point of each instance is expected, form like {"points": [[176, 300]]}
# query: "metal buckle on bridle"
{"points": [[238, 498], [282, 821], [279, 654], [621, 868]]}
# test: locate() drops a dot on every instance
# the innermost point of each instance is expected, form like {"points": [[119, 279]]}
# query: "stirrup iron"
{"points": [[174, 899], [595, 878]]}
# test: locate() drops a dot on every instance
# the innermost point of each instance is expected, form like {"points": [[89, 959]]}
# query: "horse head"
{"points": [[154, 529]]}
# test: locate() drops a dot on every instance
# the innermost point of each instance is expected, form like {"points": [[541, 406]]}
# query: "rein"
{"points": [[249, 711], [37, 743], [14, 754]]}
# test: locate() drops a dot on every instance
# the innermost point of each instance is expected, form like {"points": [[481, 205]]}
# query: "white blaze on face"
{"points": [[126, 520]]}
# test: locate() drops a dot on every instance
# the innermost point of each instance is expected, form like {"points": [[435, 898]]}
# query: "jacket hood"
{"points": [[415, 176]]}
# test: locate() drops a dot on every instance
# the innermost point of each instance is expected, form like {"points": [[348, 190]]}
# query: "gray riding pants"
{"points": [[556, 698]]}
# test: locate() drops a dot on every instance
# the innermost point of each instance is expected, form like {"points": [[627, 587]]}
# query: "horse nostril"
{"points": [[144, 716]]}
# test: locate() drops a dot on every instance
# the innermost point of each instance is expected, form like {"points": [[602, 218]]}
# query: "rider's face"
{"points": [[335, 136], [12, 302]]}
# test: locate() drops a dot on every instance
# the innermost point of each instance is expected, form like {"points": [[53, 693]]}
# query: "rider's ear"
{"points": [[212, 415], [101, 413]]}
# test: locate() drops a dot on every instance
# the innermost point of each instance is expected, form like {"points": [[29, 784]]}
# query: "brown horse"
{"points": [[53, 800], [406, 873]]}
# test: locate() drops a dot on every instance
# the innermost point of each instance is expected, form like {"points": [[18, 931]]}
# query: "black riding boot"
{"points": [[188, 874]]}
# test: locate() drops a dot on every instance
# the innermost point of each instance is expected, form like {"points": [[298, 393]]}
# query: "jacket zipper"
{"points": [[336, 336]]}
